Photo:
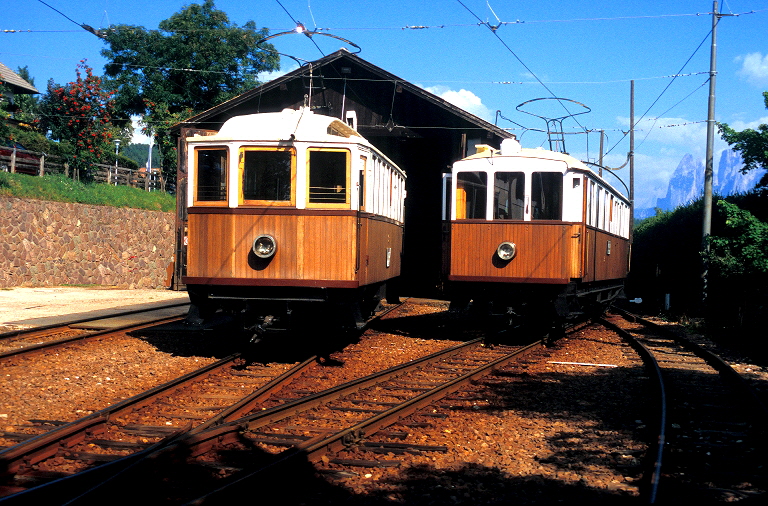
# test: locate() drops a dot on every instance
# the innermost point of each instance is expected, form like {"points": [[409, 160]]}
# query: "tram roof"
{"points": [[287, 125], [510, 148]]}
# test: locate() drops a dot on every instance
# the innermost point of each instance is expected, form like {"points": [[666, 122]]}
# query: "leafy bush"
{"points": [[741, 250], [667, 258]]}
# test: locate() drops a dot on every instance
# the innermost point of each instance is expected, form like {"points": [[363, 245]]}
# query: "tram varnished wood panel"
{"points": [[545, 251], [223, 242], [599, 264], [375, 237]]}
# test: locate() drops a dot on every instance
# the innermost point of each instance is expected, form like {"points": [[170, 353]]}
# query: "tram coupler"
{"points": [[260, 329]]}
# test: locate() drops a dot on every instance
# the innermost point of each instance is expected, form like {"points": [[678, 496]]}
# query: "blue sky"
{"points": [[586, 51]]}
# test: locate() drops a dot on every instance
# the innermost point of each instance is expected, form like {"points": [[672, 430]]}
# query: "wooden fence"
{"points": [[21, 161]]}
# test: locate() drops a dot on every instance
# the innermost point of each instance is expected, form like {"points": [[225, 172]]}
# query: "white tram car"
{"points": [[290, 215], [529, 231]]}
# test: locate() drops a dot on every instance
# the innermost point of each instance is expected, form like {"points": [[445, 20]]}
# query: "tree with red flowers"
{"points": [[196, 59], [80, 113]]}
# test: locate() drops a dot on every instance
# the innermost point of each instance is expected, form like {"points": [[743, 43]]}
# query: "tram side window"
{"points": [[328, 177], [508, 194], [547, 196], [267, 175], [211, 175], [471, 190], [361, 185]]}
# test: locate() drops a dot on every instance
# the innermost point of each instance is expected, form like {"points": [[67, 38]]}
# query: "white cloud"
{"points": [[265, 77], [754, 68], [741, 125], [138, 137], [674, 131], [464, 99]]}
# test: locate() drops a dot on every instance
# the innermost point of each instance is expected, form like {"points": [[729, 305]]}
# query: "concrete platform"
{"points": [[24, 308]]}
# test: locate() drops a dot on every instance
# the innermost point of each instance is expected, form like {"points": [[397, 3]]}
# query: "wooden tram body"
{"points": [[288, 210], [527, 231]]}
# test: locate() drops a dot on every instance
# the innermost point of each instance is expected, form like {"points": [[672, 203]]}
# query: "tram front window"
{"points": [[211, 175], [471, 200], [547, 196], [508, 195], [267, 175]]}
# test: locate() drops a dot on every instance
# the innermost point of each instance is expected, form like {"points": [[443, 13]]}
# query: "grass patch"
{"points": [[59, 188]]}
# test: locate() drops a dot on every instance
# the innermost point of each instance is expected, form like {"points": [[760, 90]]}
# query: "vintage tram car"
{"points": [[291, 215], [532, 234]]}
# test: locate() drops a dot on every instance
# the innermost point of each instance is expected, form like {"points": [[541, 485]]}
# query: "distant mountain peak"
{"points": [[687, 182]]}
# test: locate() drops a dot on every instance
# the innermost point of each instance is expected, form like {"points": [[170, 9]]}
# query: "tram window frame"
{"points": [[447, 201], [517, 203], [479, 197], [550, 192], [312, 171], [218, 196], [363, 174], [243, 155]]}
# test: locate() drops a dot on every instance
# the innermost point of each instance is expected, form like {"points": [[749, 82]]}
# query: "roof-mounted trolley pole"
{"points": [[554, 130]]}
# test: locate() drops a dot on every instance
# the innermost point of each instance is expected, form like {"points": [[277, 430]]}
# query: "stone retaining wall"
{"points": [[53, 243]]}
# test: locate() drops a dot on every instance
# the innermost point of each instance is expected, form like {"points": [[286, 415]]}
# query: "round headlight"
{"points": [[506, 251], [264, 246]]}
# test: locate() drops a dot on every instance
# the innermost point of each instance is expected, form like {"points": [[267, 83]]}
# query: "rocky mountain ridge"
{"points": [[687, 182]]}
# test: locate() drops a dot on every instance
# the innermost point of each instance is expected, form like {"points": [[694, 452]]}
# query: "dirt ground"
{"points": [[20, 307]]}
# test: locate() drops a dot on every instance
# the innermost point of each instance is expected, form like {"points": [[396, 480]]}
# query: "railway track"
{"points": [[710, 425], [47, 450], [226, 456], [35, 340], [296, 437], [212, 394]]}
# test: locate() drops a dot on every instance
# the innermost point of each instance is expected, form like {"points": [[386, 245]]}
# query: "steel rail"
{"points": [[198, 442], [695, 357], [46, 445], [28, 450], [656, 450], [61, 342], [313, 448], [728, 373], [74, 485], [21, 332], [66, 487], [277, 413]]}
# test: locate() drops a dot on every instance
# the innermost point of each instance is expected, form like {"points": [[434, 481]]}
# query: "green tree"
{"points": [[195, 60], [738, 259], [741, 249], [752, 144], [80, 113], [26, 104], [5, 131]]}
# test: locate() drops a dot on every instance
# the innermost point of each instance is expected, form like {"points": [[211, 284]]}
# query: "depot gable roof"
{"points": [[18, 85], [361, 81]]}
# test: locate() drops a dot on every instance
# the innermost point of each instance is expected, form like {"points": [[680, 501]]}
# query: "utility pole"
{"points": [[706, 227], [600, 161], [631, 159]]}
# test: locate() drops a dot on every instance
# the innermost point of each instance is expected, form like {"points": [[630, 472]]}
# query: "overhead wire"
{"points": [[675, 105], [440, 26], [441, 81], [479, 23], [494, 30], [81, 25], [298, 23], [667, 87]]}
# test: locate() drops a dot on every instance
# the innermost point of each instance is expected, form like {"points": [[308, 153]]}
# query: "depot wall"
{"points": [[52, 243]]}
